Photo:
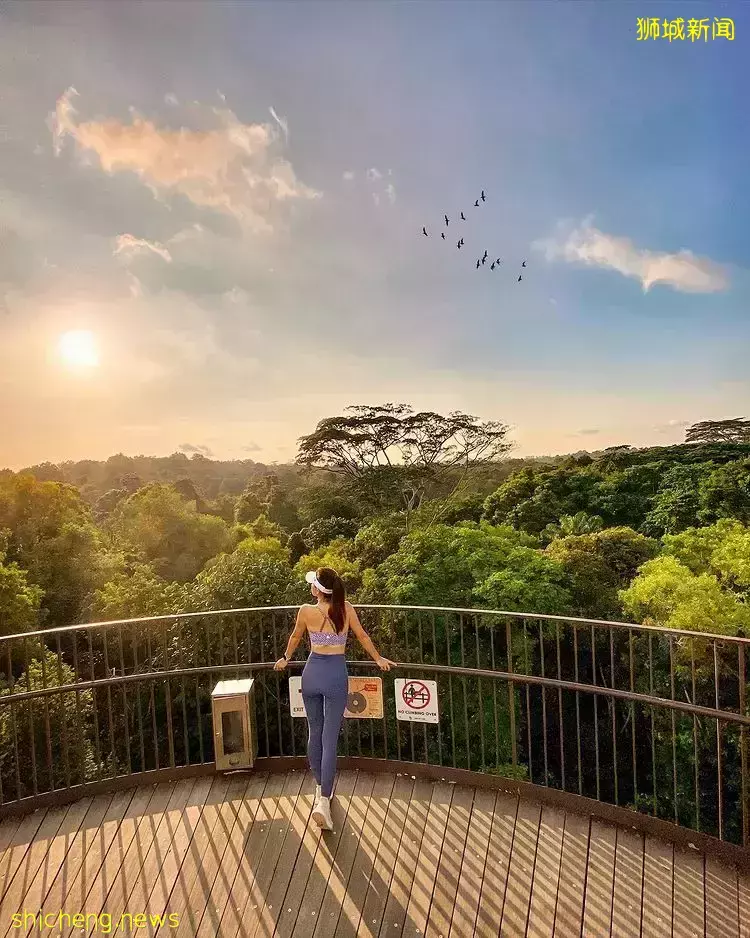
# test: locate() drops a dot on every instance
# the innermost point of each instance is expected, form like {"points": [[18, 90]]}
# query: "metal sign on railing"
{"points": [[365, 698], [417, 701]]}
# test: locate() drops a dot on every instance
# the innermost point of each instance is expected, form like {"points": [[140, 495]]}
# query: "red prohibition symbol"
{"points": [[416, 695]]}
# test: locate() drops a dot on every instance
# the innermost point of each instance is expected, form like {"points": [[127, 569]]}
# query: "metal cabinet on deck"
{"points": [[235, 727]]}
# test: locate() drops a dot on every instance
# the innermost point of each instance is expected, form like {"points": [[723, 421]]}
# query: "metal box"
{"points": [[235, 727]]}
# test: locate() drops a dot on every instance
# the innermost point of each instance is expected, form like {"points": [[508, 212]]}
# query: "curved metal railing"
{"points": [[642, 717]]}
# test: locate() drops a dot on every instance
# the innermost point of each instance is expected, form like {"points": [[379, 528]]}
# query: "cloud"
{"points": [[682, 271], [390, 191], [374, 174], [230, 167], [593, 431], [129, 245], [193, 448], [282, 122], [348, 175], [171, 99], [671, 425], [251, 447]]}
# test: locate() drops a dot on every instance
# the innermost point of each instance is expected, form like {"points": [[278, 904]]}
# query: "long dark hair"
{"points": [[332, 581]]}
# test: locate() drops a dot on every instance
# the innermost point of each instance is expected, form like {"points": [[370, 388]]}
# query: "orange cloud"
{"points": [[231, 168]]}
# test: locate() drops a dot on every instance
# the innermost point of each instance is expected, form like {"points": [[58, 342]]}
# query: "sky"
{"points": [[228, 198]]}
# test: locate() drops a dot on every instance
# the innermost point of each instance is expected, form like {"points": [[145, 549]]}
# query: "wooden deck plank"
{"points": [[129, 890], [394, 914], [149, 800], [241, 912], [571, 885], [31, 860], [498, 861], [123, 857], [17, 847], [423, 883], [600, 871], [8, 828], [451, 861], [317, 882], [194, 859], [378, 888], [97, 843], [658, 873], [51, 899], [473, 865], [175, 849], [338, 882], [294, 809], [541, 922], [743, 902], [628, 894], [28, 892], [313, 841], [688, 892], [233, 859], [521, 870], [722, 901], [364, 861]]}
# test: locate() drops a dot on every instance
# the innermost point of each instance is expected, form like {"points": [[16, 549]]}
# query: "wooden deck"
{"points": [[235, 856]]}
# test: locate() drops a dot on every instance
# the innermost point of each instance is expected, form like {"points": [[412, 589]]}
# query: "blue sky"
{"points": [[257, 271]]}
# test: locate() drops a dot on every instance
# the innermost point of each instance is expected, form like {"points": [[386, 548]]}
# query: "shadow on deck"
{"points": [[235, 856]]}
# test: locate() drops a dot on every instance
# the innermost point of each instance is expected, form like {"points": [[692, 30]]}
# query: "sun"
{"points": [[78, 350]]}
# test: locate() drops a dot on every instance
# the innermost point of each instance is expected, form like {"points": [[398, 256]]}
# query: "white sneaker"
{"points": [[321, 814]]}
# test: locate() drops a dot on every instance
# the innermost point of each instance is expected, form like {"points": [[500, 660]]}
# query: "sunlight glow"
{"points": [[78, 350]]}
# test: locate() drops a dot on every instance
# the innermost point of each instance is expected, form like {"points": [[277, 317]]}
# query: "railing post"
{"points": [[743, 747], [511, 694]]}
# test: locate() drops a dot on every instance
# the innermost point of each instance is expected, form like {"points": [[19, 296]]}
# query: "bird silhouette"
{"points": [[478, 264], [519, 278], [459, 244], [498, 262], [476, 204], [485, 257], [492, 266], [442, 235], [446, 220], [482, 196], [424, 232], [524, 264], [463, 217]]}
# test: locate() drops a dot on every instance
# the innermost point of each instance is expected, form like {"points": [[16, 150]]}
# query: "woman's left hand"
{"points": [[384, 664], [280, 664]]}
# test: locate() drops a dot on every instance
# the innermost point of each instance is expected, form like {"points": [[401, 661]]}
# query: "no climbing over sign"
{"points": [[417, 701]]}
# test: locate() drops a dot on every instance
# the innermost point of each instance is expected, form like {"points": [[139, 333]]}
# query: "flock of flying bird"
{"points": [[460, 243]]}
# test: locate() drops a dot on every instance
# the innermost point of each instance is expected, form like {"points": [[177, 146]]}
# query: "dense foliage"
{"points": [[657, 535]]}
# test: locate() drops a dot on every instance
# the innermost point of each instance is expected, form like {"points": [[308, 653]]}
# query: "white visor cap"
{"points": [[314, 581]]}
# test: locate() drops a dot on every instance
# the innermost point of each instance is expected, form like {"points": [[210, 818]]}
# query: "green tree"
{"points": [[441, 565], [56, 725], [19, 599], [725, 493], [168, 532], [325, 530], [135, 591], [734, 430], [321, 500], [242, 579], [600, 564], [391, 456], [570, 525], [528, 582], [677, 503]]}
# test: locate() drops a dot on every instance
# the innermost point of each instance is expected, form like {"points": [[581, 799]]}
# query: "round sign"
{"points": [[356, 703], [416, 695]]}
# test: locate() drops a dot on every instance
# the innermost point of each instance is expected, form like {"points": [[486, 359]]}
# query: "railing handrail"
{"points": [[500, 613], [514, 677]]}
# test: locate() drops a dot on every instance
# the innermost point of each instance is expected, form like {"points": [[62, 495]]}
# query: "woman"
{"points": [[325, 681]]}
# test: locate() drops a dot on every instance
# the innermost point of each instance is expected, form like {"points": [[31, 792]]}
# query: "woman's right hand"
{"points": [[280, 664], [384, 664]]}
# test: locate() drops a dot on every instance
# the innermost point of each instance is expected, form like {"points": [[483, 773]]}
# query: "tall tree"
{"points": [[391, 455], [734, 430]]}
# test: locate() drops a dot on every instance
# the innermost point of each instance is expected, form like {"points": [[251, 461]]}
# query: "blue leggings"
{"points": [[325, 691]]}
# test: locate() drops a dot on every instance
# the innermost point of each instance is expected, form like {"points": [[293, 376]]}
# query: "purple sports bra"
{"points": [[328, 638]]}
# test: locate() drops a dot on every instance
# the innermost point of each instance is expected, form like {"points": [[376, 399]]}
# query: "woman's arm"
{"points": [[365, 641], [294, 639]]}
